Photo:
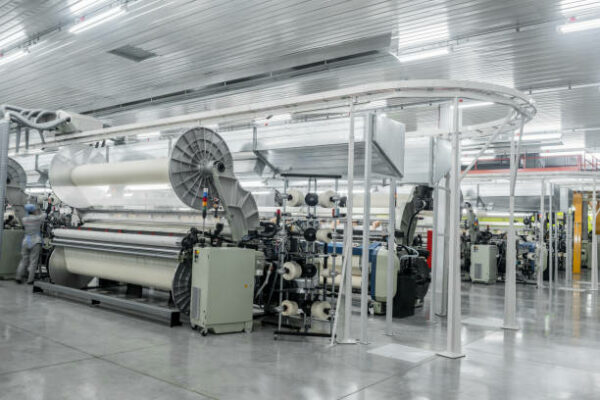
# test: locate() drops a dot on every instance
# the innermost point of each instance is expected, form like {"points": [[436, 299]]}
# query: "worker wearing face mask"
{"points": [[32, 243]]}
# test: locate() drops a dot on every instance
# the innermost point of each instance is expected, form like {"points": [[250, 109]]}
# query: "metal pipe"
{"points": [[541, 243], [344, 309], [510, 284], [594, 239], [389, 304], [569, 239], [485, 146], [364, 291], [556, 248], [3, 173], [453, 345], [550, 238], [434, 250]]}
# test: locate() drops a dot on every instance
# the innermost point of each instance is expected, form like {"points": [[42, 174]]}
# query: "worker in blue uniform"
{"points": [[32, 243]]}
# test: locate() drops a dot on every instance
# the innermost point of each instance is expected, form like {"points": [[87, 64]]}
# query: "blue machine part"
{"points": [[528, 247], [357, 251]]}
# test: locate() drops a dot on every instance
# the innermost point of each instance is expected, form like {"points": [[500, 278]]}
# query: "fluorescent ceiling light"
{"points": [[580, 26], [273, 118], [473, 152], [562, 153], [12, 38], [431, 33], [541, 136], [573, 7], [474, 105], [96, 20], [561, 147], [147, 135], [420, 55], [4, 59], [82, 5], [467, 160]]}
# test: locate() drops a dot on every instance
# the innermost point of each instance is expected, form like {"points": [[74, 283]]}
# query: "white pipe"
{"points": [[569, 261], [541, 244], [364, 291], [453, 345], [434, 250], [594, 240], [510, 284], [485, 147], [431, 88], [344, 308], [556, 249], [389, 305], [550, 240]]}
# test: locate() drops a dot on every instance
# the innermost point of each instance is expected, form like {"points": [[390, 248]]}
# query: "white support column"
{"points": [[594, 239], [391, 270], [454, 345], [434, 250], [4, 142], [447, 253], [550, 240], [510, 279], [569, 239], [343, 311], [556, 247], [364, 288], [541, 243]]}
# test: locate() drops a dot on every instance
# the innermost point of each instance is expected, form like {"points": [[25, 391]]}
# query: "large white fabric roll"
{"points": [[116, 237], [153, 171], [139, 270]]}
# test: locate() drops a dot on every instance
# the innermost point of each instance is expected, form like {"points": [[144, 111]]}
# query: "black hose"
{"points": [[410, 221]]}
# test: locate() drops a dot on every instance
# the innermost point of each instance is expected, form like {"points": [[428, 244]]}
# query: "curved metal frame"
{"points": [[518, 105]]}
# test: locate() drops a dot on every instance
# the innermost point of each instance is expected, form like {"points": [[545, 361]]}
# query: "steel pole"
{"points": [[453, 345], [3, 172], [434, 250], [556, 248], [550, 239], [569, 239], [541, 244], [391, 270], [510, 279], [364, 287], [345, 292], [594, 239]]}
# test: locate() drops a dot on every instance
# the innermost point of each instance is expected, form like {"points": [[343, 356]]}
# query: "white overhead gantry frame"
{"points": [[520, 109]]}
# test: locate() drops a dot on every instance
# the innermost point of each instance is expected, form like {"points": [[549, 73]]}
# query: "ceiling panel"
{"points": [[202, 43]]}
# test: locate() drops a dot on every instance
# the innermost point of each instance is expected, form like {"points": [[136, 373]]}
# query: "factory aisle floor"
{"points": [[56, 349]]}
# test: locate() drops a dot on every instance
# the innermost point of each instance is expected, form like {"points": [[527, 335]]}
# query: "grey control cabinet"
{"points": [[10, 255], [222, 289], [483, 263]]}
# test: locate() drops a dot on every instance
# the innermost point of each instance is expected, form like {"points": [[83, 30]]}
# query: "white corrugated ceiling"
{"points": [[201, 43]]}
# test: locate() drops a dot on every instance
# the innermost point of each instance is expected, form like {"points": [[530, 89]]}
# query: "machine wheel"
{"points": [[204, 332], [182, 286]]}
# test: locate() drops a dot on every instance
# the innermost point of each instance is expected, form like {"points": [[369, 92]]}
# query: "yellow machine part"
{"points": [[577, 231]]}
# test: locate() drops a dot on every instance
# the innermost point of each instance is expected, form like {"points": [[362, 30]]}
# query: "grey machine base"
{"points": [[155, 312], [10, 255]]}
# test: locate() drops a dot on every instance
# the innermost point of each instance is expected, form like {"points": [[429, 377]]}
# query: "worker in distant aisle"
{"points": [[32, 243]]}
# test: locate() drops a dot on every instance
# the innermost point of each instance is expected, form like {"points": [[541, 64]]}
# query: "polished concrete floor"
{"points": [[56, 349]]}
